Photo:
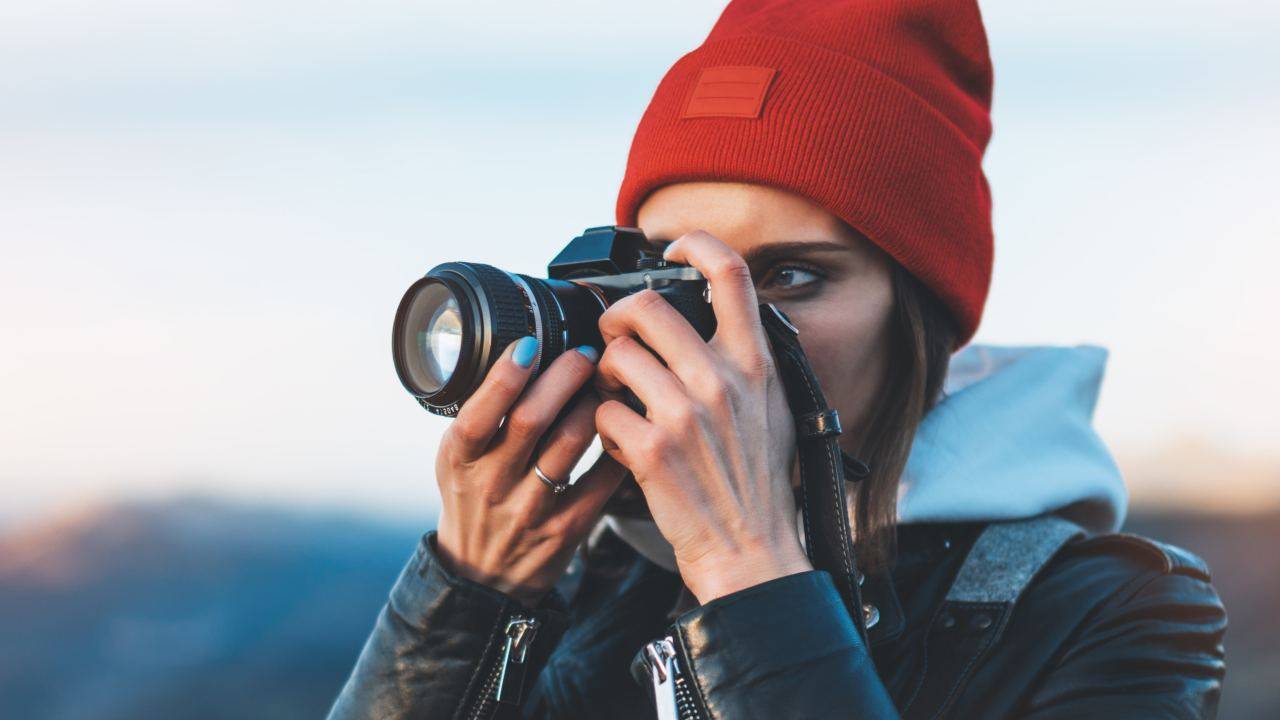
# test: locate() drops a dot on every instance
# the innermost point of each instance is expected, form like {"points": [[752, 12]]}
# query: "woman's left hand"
{"points": [[714, 454]]}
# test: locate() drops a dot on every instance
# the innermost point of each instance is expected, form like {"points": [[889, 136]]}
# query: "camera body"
{"points": [[454, 323]]}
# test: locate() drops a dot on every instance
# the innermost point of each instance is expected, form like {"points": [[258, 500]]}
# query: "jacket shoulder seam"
{"points": [[1168, 559], [1068, 644]]}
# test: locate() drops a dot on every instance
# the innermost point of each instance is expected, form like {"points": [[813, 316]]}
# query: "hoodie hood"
{"points": [[1011, 438]]}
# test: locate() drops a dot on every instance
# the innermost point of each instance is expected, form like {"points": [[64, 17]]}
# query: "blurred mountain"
{"points": [[192, 609], [1173, 476], [201, 609]]}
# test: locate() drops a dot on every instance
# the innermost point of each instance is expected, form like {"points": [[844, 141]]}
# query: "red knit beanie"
{"points": [[876, 110]]}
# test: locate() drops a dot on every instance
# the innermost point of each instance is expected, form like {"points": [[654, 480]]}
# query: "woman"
{"points": [[825, 157]]}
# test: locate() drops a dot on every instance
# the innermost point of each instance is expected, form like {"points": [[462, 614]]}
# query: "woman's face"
{"points": [[833, 283]]}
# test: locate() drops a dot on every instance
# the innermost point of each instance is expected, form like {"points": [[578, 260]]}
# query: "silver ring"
{"points": [[556, 487]]}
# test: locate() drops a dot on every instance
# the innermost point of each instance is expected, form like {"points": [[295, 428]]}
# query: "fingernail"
{"points": [[526, 349], [591, 353], [666, 251]]}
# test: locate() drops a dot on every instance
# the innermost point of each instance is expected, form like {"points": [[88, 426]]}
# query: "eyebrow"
{"points": [[772, 251]]}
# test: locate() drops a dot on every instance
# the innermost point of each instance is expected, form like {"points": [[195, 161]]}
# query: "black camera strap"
{"points": [[827, 536]]}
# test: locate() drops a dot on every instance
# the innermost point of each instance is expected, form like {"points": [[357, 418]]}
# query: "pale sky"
{"points": [[209, 211]]}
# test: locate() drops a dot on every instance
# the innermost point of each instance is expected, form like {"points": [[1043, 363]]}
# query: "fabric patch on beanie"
{"points": [[729, 91]]}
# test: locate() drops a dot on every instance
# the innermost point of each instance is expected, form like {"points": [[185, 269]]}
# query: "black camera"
{"points": [[454, 323]]}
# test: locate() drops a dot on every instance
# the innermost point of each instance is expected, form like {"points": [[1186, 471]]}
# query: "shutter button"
{"points": [[981, 622]]}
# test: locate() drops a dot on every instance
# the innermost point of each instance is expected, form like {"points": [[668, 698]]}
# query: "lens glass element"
{"points": [[435, 326], [442, 340]]}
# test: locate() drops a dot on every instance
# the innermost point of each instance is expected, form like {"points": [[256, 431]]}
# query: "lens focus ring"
{"points": [[508, 317], [550, 318]]}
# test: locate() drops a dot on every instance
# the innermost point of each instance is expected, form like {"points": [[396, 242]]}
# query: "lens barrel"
{"points": [[453, 324]]}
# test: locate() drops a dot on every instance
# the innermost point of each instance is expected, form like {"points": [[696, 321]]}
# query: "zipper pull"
{"points": [[660, 657], [520, 632]]}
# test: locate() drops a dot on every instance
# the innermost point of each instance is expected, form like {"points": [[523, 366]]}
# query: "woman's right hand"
{"points": [[500, 525]]}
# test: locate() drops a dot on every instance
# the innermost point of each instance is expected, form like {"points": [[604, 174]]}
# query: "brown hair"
{"points": [[921, 339]]}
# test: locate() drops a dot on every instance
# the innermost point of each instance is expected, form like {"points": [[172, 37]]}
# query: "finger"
{"points": [[650, 317], [626, 364], [733, 294], [560, 452], [469, 435], [623, 433], [535, 412], [582, 506]]}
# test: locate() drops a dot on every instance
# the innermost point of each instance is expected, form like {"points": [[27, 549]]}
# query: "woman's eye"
{"points": [[788, 278]]}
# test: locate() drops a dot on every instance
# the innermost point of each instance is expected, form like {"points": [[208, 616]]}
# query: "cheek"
{"points": [[845, 335]]}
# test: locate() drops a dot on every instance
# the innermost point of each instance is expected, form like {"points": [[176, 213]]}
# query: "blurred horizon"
{"points": [[209, 213]]}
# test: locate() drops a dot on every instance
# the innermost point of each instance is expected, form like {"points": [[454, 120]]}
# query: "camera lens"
{"points": [[453, 325], [435, 327]]}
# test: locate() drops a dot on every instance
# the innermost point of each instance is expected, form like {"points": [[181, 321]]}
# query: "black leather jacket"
{"points": [[1114, 626]]}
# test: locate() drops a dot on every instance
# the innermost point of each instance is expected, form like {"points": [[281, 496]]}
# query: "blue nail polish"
{"points": [[591, 353], [526, 349]]}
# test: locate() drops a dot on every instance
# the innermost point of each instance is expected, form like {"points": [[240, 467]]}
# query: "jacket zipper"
{"points": [[505, 682], [671, 689]]}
